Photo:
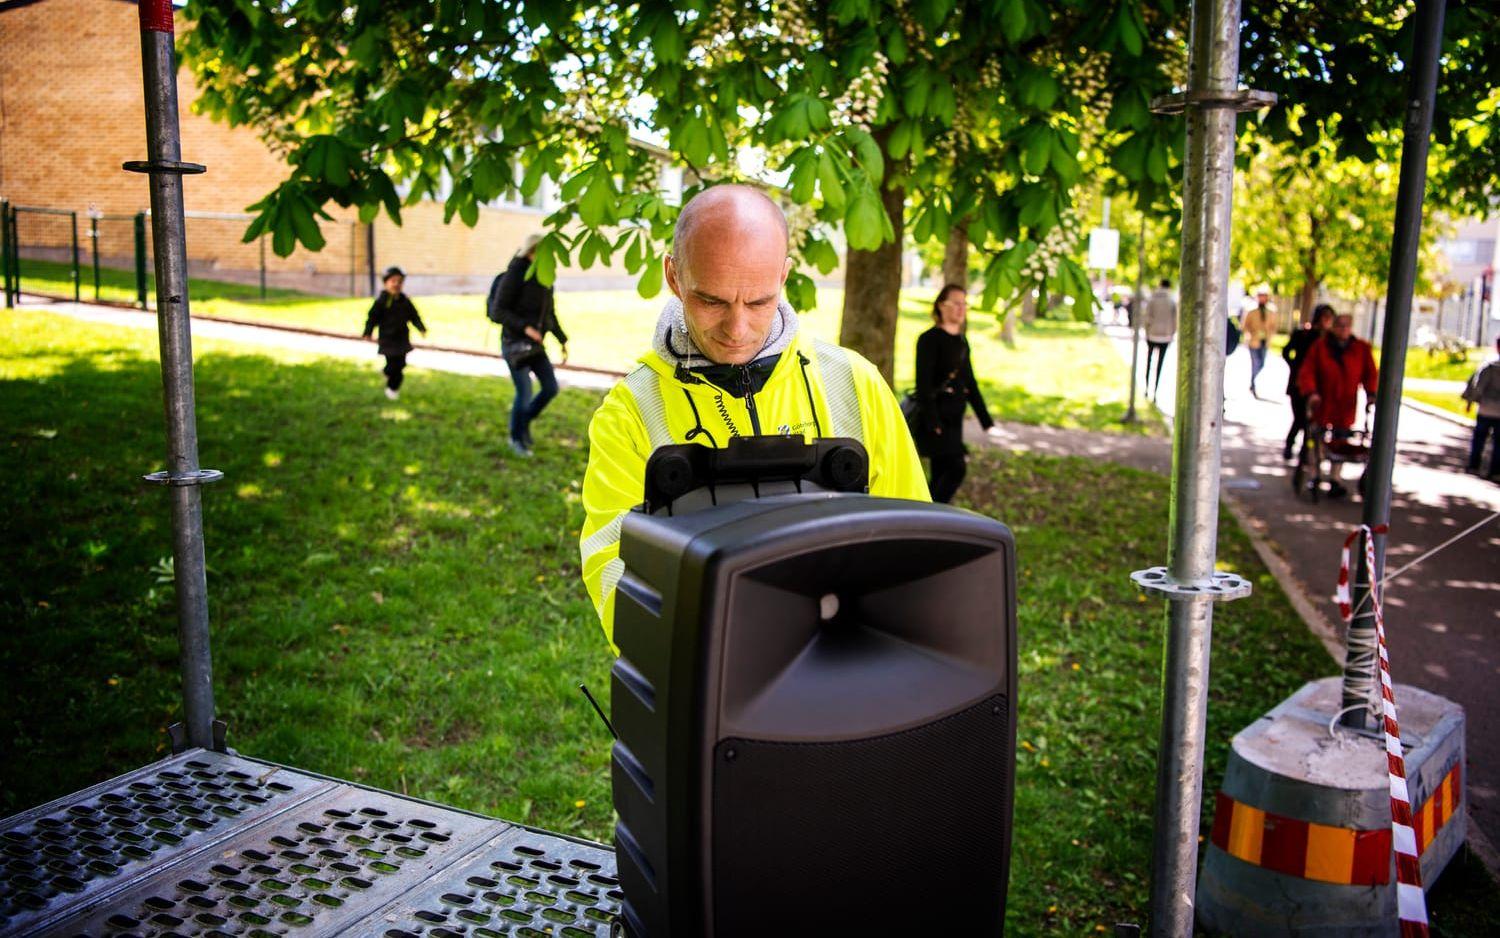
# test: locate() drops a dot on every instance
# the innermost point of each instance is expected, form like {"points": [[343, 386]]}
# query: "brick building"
{"points": [[72, 111]]}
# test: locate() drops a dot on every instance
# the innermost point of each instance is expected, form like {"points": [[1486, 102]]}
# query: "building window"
{"points": [[540, 200], [670, 184]]}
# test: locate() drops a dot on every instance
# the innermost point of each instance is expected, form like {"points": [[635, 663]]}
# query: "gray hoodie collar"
{"points": [[674, 345]]}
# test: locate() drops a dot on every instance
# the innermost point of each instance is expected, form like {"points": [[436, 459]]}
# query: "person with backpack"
{"points": [[390, 313], [945, 390], [523, 307]]}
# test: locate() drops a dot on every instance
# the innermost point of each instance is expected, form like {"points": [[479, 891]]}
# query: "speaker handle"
{"points": [[835, 464]]}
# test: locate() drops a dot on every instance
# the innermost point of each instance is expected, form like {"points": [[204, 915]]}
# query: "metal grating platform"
{"points": [[213, 845]]}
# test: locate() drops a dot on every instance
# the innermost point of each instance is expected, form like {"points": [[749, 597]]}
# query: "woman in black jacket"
{"points": [[390, 313], [945, 389], [524, 309], [1296, 350]]}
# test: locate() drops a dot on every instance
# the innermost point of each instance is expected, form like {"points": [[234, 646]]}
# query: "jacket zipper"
{"points": [[750, 399]]}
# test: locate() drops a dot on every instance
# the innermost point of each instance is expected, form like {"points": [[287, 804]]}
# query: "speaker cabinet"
{"points": [[815, 702]]}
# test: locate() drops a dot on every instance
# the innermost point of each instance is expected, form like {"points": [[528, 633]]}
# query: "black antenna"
{"points": [[595, 704]]}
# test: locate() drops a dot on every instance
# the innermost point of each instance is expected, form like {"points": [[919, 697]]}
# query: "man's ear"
{"points": [[669, 266], [786, 270]]}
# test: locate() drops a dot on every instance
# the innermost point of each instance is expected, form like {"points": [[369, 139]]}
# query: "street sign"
{"points": [[1104, 248]]}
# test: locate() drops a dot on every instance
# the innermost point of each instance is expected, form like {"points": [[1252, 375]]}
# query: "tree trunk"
{"points": [[1309, 294], [956, 255], [1028, 303], [872, 293]]}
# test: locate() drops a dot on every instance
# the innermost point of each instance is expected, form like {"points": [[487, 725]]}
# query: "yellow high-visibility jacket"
{"points": [[816, 389]]}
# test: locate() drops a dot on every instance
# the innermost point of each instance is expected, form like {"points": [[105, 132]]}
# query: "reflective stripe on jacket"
{"points": [[816, 389]]}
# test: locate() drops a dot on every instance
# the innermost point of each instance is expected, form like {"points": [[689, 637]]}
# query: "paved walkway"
{"points": [[1443, 618], [464, 363]]}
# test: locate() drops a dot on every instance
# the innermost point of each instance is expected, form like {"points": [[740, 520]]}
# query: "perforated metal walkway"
{"points": [[210, 844]]}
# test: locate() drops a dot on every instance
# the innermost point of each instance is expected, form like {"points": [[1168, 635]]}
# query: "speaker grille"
{"points": [[919, 822]]}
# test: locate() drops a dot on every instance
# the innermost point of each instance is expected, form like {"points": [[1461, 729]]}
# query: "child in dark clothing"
{"points": [[390, 313]]}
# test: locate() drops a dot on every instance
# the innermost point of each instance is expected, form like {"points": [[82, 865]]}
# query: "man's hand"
{"points": [[533, 334], [564, 354]]}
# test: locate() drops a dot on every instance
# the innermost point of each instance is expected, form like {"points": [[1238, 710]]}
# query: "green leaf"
{"points": [[532, 177], [335, 162], [900, 140], [817, 114], [468, 210], [867, 154], [650, 283], [804, 175], [862, 222], [666, 41], [821, 255], [917, 88], [1156, 161], [1013, 21], [1126, 31], [801, 292], [594, 204], [828, 181], [1038, 89], [943, 104], [1036, 150], [305, 224], [1064, 161], [895, 46], [690, 138], [544, 266], [921, 232]]}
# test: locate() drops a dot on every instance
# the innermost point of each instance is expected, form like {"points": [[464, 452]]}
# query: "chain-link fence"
{"points": [[65, 254]]}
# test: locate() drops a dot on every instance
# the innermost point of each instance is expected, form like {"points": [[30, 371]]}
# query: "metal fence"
{"points": [[105, 257]]}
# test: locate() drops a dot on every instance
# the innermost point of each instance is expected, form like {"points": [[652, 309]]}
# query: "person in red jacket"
{"points": [[1334, 369]]}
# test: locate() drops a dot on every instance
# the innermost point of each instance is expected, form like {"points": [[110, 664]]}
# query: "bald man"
{"points": [[727, 359]]}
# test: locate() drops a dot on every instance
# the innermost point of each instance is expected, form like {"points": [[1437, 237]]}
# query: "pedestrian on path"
{"points": [[945, 390], [1161, 328], [1294, 354], [391, 312], [1338, 365], [525, 309], [1483, 389], [1259, 325]]}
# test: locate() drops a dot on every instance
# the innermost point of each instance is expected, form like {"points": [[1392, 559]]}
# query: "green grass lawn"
{"points": [[1452, 403], [395, 600], [1059, 374], [1421, 364]]}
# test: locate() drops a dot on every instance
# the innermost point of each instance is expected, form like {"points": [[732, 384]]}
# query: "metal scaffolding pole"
{"points": [[1361, 697], [1189, 581], [183, 476]]}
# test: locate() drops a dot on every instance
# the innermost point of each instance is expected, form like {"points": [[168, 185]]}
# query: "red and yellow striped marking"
{"points": [[1319, 852]]}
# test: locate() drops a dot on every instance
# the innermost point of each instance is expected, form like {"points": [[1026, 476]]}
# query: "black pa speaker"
{"points": [[815, 708]]}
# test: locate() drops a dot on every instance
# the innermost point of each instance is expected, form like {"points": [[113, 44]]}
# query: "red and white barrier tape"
{"points": [[1411, 903]]}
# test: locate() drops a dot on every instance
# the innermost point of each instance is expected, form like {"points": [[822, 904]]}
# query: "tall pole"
{"points": [[77, 274], [165, 168], [5, 247], [1361, 690], [1189, 581], [1136, 309]]}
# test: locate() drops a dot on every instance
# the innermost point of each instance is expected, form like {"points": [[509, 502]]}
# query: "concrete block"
{"points": [[1300, 842]]}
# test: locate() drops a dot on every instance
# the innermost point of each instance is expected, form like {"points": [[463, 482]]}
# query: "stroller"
{"points": [[1323, 446]]}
